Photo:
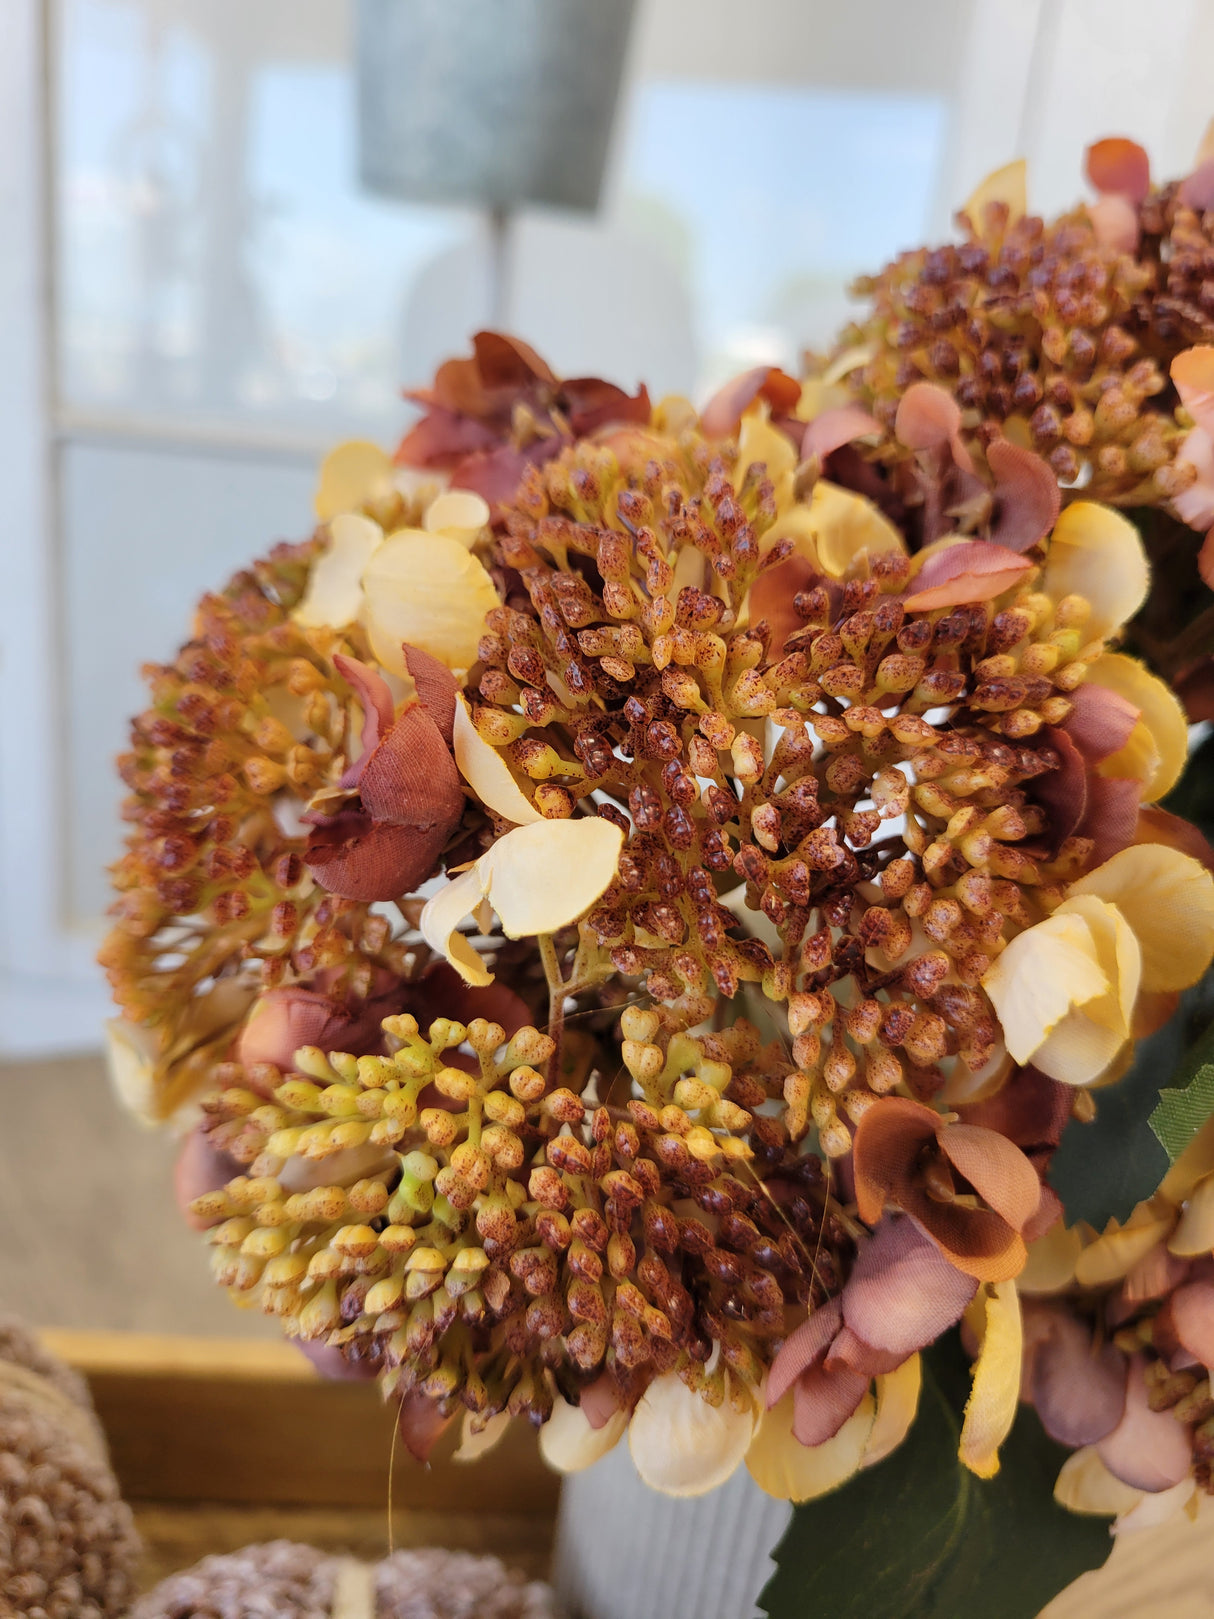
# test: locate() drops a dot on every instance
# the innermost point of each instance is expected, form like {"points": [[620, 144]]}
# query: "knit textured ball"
{"points": [[283, 1580], [68, 1548]]}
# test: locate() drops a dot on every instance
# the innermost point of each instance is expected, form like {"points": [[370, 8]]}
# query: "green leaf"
{"points": [[919, 1537], [1186, 1105]]}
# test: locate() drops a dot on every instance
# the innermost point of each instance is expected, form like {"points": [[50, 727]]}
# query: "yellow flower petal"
{"points": [[1195, 1233], [1119, 1248], [1086, 1485], [845, 526], [350, 475], [1193, 1165], [758, 440], [472, 1446], [335, 585], [1008, 185], [568, 1443], [1052, 1260], [897, 1403], [131, 1052], [991, 1407], [543, 876], [1042, 973], [458, 512], [1083, 1046], [440, 920], [683, 1446], [428, 590], [487, 773], [1168, 899], [784, 1468], [1096, 553], [1159, 744]]}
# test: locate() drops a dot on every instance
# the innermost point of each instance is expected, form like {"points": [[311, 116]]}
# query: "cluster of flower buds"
{"points": [[1063, 334]]}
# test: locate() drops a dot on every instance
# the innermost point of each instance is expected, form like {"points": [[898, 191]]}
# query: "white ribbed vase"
{"points": [[625, 1552]]}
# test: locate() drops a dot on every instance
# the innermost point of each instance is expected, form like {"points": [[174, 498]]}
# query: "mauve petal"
{"points": [[802, 1348], [436, 687], [834, 428], [420, 1423], [592, 404], [200, 1168], [1111, 819], [495, 474], [996, 1169], [848, 1350], [1031, 1109], [1049, 1212], [360, 859], [888, 1139], [1063, 791], [1115, 222], [902, 1292], [1186, 1322], [375, 699], [1027, 494], [1154, 1276], [1079, 1392], [1120, 166], [442, 439], [723, 412], [1100, 721], [1197, 190], [1205, 560], [823, 1401], [970, 571], [1149, 1450], [772, 594]]}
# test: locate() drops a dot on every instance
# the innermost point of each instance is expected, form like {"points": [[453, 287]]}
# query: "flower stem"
{"points": [[558, 990]]}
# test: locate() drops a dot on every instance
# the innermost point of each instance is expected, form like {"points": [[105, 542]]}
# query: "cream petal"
{"points": [[897, 1403], [846, 526], [487, 773], [1168, 899], [682, 1445], [1156, 1508], [1119, 1248], [335, 585], [568, 1443], [1096, 553], [472, 1446], [440, 920], [428, 590], [1052, 1259], [350, 475], [991, 1407], [1086, 1485], [543, 876], [1007, 185], [784, 1468], [131, 1052], [1041, 974], [1165, 745], [459, 512], [1195, 1232]]}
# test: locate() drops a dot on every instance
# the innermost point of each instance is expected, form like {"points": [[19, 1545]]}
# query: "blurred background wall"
{"points": [[198, 299]]}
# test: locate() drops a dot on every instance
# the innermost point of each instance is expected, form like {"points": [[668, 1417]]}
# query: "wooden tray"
{"points": [[221, 1442]]}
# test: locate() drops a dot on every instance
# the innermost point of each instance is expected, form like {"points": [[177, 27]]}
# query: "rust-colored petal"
{"points": [[357, 858], [436, 688], [1063, 791], [997, 1170], [888, 1139], [723, 412], [970, 571], [1112, 815], [411, 778], [442, 439], [1195, 688], [977, 1241], [1120, 166], [1101, 720], [772, 596], [1157, 825], [1027, 495], [823, 1401], [508, 362], [421, 1424], [803, 1347], [1079, 1390], [1031, 1110], [592, 404], [902, 1292], [495, 474], [834, 428]]}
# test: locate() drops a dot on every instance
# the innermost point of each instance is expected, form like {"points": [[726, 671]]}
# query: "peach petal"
{"points": [[487, 773], [1039, 977], [681, 1444], [334, 595], [1027, 495], [1194, 1235], [474, 1444], [1119, 1247], [1186, 1321], [929, 418], [350, 475], [1086, 1485], [834, 428], [1148, 1450], [1115, 222], [1051, 1262], [1195, 505], [999, 1172], [823, 1401], [971, 571], [723, 412], [1119, 166], [1193, 373], [1154, 1276], [200, 1168]]}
